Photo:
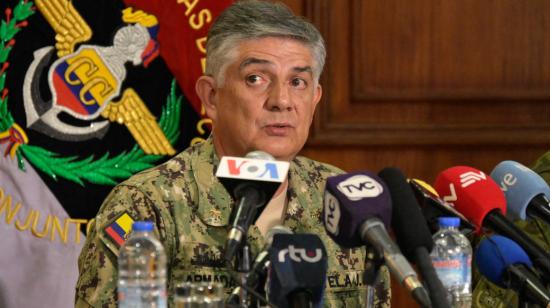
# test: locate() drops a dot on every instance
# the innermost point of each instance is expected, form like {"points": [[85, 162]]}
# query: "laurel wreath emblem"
{"points": [[105, 170]]}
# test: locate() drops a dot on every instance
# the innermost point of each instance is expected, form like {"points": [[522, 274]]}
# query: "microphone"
{"points": [[526, 192], [412, 233], [434, 207], [480, 200], [260, 265], [298, 270], [504, 263], [252, 182], [357, 207]]}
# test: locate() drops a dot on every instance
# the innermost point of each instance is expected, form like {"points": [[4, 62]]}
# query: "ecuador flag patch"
{"points": [[119, 229]]}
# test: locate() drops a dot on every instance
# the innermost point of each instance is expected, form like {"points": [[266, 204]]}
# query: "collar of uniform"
{"points": [[214, 203], [298, 212]]}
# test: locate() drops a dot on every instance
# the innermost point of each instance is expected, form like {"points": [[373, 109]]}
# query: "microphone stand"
{"points": [[524, 303], [373, 261], [242, 267]]}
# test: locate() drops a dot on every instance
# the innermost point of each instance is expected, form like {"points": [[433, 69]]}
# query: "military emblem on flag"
{"points": [[89, 95]]}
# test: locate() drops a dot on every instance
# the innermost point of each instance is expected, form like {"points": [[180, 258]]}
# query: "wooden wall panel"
{"points": [[428, 84]]}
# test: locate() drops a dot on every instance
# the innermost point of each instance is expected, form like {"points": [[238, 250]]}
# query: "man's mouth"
{"points": [[277, 129]]}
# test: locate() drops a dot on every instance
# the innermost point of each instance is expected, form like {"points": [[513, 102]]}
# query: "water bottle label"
{"points": [[453, 272]]}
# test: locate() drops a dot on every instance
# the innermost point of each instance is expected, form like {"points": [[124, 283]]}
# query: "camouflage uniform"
{"points": [[191, 209], [487, 294]]}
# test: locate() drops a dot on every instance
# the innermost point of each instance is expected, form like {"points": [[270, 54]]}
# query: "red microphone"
{"points": [[478, 197], [471, 192]]}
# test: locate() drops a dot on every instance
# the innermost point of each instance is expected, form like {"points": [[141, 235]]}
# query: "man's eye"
{"points": [[253, 79], [298, 83]]}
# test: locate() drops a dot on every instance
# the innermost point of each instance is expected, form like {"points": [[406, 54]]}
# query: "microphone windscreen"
{"points": [[471, 192], [298, 264], [350, 199], [434, 207], [495, 253], [520, 185], [408, 223], [425, 186]]}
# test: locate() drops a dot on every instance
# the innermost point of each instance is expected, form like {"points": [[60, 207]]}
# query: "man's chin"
{"points": [[279, 151]]}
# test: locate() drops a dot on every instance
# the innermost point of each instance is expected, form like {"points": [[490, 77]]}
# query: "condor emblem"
{"points": [[83, 83]]}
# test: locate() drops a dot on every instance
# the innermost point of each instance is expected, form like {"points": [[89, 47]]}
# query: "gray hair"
{"points": [[249, 19]]}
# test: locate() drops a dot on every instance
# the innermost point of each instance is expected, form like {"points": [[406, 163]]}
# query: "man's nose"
{"points": [[279, 98]]}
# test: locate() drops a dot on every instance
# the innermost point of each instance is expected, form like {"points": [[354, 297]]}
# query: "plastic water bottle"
{"points": [[452, 260], [142, 269]]}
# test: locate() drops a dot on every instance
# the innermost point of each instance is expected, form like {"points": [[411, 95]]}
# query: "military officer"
{"points": [[260, 88]]}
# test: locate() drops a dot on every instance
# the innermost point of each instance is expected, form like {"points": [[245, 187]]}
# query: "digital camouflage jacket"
{"points": [[191, 209]]}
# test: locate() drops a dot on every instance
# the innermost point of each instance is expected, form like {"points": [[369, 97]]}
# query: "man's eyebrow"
{"points": [[250, 61], [300, 69]]}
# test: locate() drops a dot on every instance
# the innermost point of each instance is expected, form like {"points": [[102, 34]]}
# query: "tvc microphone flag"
{"points": [[89, 95]]}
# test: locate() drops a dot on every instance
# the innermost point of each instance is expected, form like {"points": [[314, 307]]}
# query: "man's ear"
{"points": [[206, 90], [317, 95]]}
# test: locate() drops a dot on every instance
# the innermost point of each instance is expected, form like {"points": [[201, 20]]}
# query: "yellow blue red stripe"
{"points": [[120, 228]]}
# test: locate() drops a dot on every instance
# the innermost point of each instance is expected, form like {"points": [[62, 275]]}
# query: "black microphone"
{"points": [[412, 233], [526, 192], [433, 207], [357, 207], [504, 263], [298, 270], [479, 199], [251, 182]]}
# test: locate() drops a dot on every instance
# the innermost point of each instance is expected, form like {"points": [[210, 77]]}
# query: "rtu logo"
{"points": [[470, 177], [299, 254], [360, 186]]}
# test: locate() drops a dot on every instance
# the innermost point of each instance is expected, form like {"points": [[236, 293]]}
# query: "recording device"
{"points": [[260, 265], [357, 207], [526, 192], [480, 199], [433, 207], [298, 270], [251, 181], [506, 264], [412, 233]]}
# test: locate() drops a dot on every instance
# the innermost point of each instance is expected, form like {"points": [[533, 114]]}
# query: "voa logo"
{"points": [[253, 168], [301, 254], [332, 213], [360, 186]]}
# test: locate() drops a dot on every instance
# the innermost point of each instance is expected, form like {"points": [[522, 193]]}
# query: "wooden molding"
{"points": [[399, 82]]}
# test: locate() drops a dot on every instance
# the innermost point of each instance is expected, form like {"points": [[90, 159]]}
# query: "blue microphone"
{"points": [[526, 192], [504, 263]]}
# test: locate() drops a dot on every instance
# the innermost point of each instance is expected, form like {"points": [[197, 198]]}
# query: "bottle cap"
{"points": [[449, 222], [142, 226]]}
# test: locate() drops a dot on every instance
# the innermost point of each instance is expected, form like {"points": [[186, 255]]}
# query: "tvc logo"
{"points": [[300, 254], [360, 186], [332, 213]]}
